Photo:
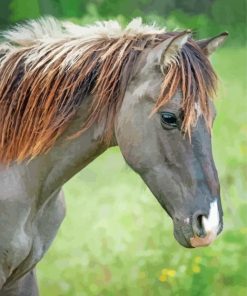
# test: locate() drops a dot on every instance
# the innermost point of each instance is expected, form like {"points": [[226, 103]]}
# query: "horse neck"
{"points": [[68, 157]]}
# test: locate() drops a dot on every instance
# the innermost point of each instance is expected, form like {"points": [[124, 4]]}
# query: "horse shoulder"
{"points": [[26, 231]]}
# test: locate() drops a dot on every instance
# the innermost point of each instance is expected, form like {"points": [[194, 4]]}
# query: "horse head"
{"points": [[163, 129]]}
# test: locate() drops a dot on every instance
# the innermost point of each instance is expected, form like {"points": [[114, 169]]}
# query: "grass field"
{"points": [[116, 239]]}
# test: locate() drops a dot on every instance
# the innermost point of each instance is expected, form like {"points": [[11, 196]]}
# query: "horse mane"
{"points": [[47, 67]]}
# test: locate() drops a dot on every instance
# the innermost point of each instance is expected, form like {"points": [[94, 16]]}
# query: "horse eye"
{"points": [[169, 120]]}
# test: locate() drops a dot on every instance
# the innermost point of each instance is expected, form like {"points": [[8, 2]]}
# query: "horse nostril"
{"points": [[197, 225], [199, 221]]}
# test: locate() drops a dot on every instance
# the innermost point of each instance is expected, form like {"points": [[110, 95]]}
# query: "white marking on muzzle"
{"points": [[212, 223]]}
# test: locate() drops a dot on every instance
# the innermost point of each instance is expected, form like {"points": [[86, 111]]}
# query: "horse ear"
{"points": [[211, 44], [166, 52]]}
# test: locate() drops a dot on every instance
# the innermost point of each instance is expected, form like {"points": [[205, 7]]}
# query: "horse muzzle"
{"points": [[200, 229]]}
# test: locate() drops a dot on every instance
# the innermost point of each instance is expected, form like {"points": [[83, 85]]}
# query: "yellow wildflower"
{"points": [[163, 277], [166, 274], [196, 268], [171, 272]]}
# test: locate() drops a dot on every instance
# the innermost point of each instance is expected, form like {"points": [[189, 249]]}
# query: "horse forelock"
{"points": [[47, 74], [192, 74]]}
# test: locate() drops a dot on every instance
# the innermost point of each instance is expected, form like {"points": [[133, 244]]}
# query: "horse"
{"points": [[68, 93]]}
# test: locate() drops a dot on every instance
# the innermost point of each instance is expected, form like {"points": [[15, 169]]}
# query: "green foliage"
{"points": [[21, 10], [225, 15], [231, 15], [205, 17], [72, 8], [117, 240]]}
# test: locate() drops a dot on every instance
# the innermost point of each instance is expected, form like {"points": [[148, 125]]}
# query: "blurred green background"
{"points": [[116, 239]]}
